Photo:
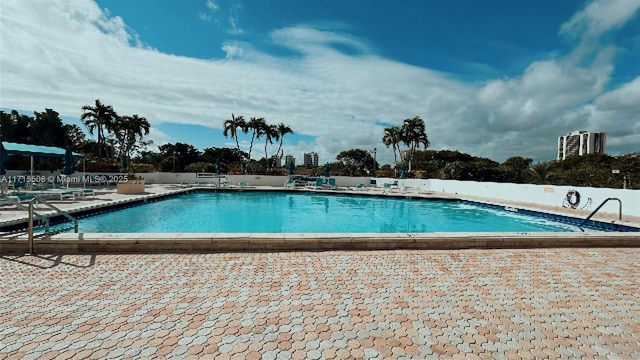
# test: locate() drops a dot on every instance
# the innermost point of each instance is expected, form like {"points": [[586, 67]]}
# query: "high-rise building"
{"points": [[581, 143], [289, 161], [311, 159]]}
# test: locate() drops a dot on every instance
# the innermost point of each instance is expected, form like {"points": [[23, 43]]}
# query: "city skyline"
{"points": [[489, 83]]}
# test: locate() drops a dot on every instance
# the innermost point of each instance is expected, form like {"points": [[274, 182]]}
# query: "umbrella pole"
{"points": [[32, 173]]}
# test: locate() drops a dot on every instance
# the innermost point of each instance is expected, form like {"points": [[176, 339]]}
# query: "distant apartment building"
{"points": [[311, 159], [289, 161], [581, 143]]}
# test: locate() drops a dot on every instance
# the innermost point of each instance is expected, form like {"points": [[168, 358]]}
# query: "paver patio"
{"points": [[541, 303]]}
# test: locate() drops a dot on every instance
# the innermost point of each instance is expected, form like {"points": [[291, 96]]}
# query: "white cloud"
{"points": [[212, 5], [233, 26], [76, 53], [598, 17]]}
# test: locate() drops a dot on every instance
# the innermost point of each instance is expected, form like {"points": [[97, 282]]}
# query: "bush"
{"points": [[142, 168], [200, 166]]}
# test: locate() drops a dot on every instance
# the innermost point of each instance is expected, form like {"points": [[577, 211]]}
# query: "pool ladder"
{"points": [[43, 220], [601, 205]]}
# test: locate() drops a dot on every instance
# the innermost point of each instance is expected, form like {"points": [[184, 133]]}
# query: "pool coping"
{"points": [[247, 242]]}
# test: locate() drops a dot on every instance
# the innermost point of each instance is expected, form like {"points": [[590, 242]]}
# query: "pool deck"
{"points": [[537, 303]]}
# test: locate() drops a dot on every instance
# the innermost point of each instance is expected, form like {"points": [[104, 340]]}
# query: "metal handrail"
{"points": [[601, 205], [43, 219], [61, 212], [30, 226]]}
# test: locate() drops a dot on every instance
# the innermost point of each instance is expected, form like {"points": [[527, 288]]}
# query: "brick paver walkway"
{"points": [[548, 303]]}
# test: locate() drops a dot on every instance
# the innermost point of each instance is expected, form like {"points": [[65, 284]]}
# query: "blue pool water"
{"points": [[275, 212]]}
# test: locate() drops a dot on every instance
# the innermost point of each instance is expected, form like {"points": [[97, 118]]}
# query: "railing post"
{"points": [[619, 209], [30, 227]]}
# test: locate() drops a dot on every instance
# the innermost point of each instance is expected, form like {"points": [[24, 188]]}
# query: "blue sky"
{"points": [[493, 78]]}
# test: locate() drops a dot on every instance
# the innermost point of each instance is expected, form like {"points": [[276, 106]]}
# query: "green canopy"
{"points": [[7, 149], [35, 150]]}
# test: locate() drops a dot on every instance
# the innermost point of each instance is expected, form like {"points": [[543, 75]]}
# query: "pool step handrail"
{"points": [[601, 205], [44, 221], [59, 211]]}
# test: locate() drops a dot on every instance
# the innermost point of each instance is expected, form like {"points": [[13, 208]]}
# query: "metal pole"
{"points": [[30, 227]]}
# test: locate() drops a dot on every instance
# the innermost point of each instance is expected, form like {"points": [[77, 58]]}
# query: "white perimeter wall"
{"points": [[538, 194]]}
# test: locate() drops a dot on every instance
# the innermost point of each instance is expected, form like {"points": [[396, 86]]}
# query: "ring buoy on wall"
{"points": [[573, 198]]}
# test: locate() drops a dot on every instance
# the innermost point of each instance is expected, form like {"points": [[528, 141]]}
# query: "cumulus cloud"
{"points": [[336, 90]]}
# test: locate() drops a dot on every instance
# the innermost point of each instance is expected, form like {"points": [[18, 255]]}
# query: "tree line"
{"points": [[122, 139]]}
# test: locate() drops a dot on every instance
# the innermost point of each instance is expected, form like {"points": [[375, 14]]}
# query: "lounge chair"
{"points": [[394, 184], [289, 184], [8, 200], [17, 185], [61, 194], [80, 192], [226, 183], [243, 184], [319, 183], [332, 184], [358, 187]]}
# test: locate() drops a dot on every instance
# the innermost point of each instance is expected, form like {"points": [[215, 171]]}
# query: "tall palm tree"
{"points": [[128, 130], [101, 118], [271, 133], [258, 127], [414, 135], [282, 131], [231, 126], [74, 136], [392, 137]]}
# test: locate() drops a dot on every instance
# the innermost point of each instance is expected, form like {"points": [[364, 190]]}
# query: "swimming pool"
{"points": [[281, 212]]}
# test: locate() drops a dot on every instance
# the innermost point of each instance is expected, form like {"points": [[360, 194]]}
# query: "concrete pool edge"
{"points": [[78, 243]]}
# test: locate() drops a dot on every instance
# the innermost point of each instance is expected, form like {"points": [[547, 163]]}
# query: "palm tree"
{"points": [[540, 172], [100, 117], [258, 126], [74, 136], [392, 137], [414, 135], [128, 130], [231, 126], [271, 133], [282, 131]]}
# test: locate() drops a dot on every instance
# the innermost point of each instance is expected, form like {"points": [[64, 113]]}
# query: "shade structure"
{"points": [[292, 168], [68, 162], [7, 149], [327, 170], [402, 174], [217, 165], [36, 150]]}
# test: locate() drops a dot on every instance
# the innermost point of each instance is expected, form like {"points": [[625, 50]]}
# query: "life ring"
{"points": [[573, 198]]}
